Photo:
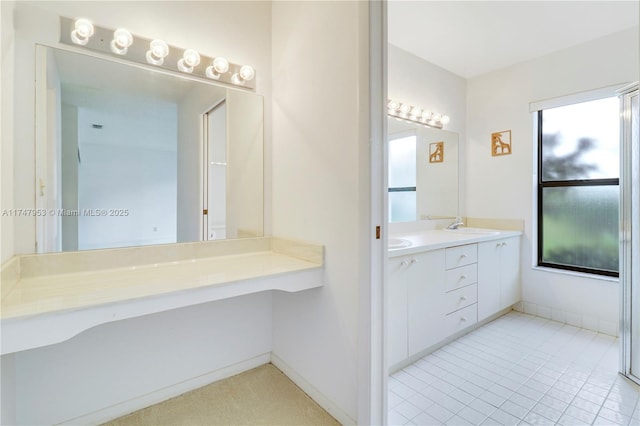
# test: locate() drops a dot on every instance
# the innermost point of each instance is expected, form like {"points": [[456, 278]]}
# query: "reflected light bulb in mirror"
{"points": [[122, 39], [158, 50], [83, 30], [190, 59]]}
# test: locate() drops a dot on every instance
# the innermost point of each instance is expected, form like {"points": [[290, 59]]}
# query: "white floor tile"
{"points": [[517, 370]]}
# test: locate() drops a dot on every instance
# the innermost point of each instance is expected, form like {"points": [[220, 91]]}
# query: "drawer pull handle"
{"points": [[462, 256], [463, 319], [463, 277], [504, 244], [413, 261], [404, 263], [463, 298]]}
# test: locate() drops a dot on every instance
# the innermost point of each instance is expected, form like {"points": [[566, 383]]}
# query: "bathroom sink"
{"points": [[397, 243], [476, 231]]}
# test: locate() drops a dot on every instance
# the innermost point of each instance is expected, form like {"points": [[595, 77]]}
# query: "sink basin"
{"points": [[476, 231], [397, 243]]}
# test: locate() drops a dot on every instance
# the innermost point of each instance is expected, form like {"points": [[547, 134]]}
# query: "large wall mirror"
{"points": [[130, 156], [423, 172]]}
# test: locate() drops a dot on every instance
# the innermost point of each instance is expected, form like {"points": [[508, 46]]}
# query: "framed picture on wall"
{"points": [[501, 143]]}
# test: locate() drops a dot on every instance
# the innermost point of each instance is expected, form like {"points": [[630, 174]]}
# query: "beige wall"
{"points": [[321, 184]]}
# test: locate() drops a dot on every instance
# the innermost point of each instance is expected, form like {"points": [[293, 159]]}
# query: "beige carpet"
{"points": [[262, 396]]}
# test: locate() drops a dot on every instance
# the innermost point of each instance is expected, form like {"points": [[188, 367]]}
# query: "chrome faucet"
{"points": [[456, 223]]}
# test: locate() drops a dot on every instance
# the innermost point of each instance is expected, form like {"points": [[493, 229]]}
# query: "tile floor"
{"points": [[517, 370]]}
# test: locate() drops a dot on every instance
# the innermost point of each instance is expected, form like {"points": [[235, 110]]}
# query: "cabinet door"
{"points": [[510, 272], [397, 309], [425, 286], [489, 277]]}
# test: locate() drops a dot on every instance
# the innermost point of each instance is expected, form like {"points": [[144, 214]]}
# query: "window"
{"points": [[578, 187], [402, 179]]}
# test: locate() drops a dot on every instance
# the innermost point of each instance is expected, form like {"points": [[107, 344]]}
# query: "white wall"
{"points": [[7, 38], [503, 187], [117, 362], [129, 164], [418, 82], [128, 359], [320, 189]]}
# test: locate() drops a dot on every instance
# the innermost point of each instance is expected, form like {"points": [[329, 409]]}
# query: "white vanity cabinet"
{"points": [[498, 275], [415, 284], [436, 293]]}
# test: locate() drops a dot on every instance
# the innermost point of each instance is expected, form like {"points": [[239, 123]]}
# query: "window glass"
{"points": [[581, 226], [402, 179], [581, 141], [578, 187], [402, 206], [402, 162]]}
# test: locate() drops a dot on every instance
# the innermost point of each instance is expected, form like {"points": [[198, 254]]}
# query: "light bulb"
{"points": [[445, 119], [220, 65], [246, 73], [392, 105], [158, 50], [122, 39], [426, 115], [190, 59], [404, 108], [416, 112], [436, 117], [83, 30]]}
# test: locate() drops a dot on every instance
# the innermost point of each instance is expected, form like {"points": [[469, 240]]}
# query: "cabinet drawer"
{"points": [[459, 320], [461, 277], [460, 298], [461, 255]]}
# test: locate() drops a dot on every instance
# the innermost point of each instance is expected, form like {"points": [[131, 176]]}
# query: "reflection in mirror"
{"points": [[124, 156], [423, 172]]}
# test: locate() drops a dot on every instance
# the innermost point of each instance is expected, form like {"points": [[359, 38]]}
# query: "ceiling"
{"points": [[470, 38]]}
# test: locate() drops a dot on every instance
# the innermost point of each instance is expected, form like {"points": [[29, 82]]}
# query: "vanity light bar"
{"points": [[121, 43], [403, 111]]}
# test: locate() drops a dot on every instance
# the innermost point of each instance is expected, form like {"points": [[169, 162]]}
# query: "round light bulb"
{"points": [[426, 115], [445, 119], [158, 50], [436, 117], [393, 105], [122, 39], [191, 57], [416, 112], [220, 65], [404, 108], [84, 28], [247, 72]]}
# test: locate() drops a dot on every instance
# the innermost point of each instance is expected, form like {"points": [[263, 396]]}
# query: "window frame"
{"points": [[541, 185]]}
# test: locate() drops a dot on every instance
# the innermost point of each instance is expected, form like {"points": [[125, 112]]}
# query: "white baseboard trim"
{"points": [[576, 319], [324, 402], [160, 395]]}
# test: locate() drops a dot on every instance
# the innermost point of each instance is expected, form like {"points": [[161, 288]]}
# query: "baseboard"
{"points": [[576, 319], [413, 358], [160, 395], [313, 393]]}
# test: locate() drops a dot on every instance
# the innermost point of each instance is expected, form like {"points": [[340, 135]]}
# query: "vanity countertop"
{"points": [[433, 239], [43, 308]]}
